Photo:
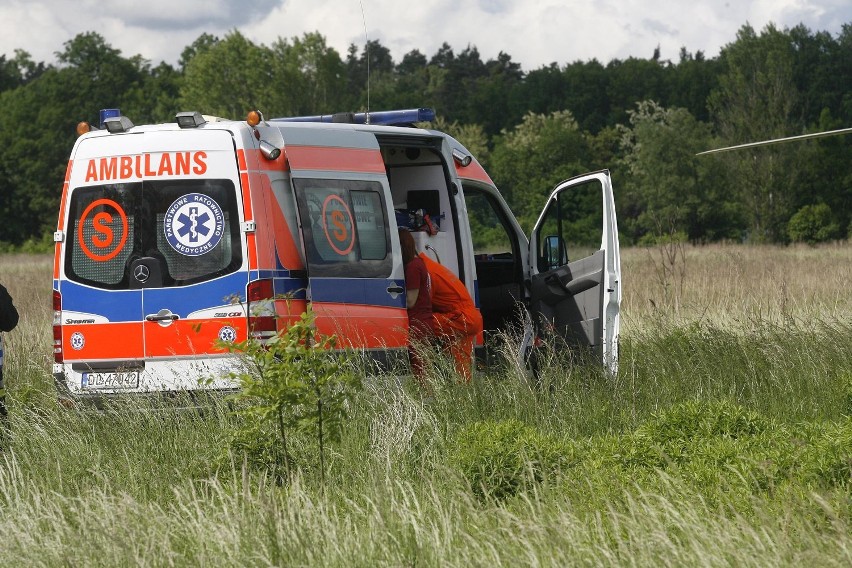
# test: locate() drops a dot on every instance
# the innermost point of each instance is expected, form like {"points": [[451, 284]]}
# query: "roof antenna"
{"points": [[367, 52]]}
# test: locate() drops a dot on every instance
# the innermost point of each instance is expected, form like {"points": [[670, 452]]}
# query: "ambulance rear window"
{"points": [[190, 226]]}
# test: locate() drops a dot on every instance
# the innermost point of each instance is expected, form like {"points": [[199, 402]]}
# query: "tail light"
{"points": [[261, 309], [58, 357]]}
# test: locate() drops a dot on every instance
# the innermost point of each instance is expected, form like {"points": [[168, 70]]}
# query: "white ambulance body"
{"points": [[173, 238]]}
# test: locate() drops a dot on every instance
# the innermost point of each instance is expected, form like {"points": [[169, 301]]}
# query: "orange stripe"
{"points": [[244, 181], [61, 223], [257, 191], [337, 159], [189, 338], [260, 193], [104, 341], [247, 214], [259, 162], [251, 245], [289, 311], [243, 158], [473, 171], [370, 327]]}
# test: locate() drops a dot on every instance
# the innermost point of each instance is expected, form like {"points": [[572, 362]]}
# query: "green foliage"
{"points": [[19, 70], [715, 447], [312, 74], [37, 127], [662, 239], [531, 129], [528, 161], [758, 99], [471, 136], [499, 459], [32, 245], [229, 77], [813, 224], [699, 420], [825, 455], [222, 78], [711, 445], [847, 396], [666, 187], [295, 381]]}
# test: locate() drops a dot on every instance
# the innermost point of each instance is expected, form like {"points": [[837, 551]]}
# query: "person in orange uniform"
{"points": [[419, 303], [456, 319]]}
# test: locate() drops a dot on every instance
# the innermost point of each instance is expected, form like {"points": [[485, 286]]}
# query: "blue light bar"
{"points": [[106, 113], [382, 118]]}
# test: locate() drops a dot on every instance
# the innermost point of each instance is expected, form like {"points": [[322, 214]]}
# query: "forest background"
{"points": [[644, 119]]}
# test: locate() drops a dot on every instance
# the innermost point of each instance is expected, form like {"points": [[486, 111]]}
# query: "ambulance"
{"points": [[176, 239]]}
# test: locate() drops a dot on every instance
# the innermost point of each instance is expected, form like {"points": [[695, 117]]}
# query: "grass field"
{"points": [[725, 439]]}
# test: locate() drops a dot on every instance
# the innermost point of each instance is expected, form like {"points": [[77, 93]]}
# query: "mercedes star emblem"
{"points": [[141, 273]]}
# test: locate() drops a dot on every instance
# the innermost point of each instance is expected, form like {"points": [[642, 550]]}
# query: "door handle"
{"points": [[395, 289], [162, 315], [574, 287]]}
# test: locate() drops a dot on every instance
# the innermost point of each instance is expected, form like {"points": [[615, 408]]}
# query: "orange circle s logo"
{"points": [[103, 239], [341, 237]]}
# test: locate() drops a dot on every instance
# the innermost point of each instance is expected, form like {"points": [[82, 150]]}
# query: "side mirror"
{"points": [[554, 254]]}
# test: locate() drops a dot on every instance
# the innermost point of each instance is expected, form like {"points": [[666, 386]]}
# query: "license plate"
{"points": [[114, 380]]}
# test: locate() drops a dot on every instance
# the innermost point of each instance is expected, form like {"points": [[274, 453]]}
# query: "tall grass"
{"points": [[729, 284], [721, 442], [247, 522]]}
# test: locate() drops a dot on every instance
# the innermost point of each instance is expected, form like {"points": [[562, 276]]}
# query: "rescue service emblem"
{"points": [[77, 341], [194, 224], [228, 334]]}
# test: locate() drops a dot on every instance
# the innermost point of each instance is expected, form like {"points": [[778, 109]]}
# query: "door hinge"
{"points": [[58, 236], [248, 226]]}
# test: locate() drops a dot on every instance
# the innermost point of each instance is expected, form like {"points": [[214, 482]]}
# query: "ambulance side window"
{"points": [[488, 226], [345, 228]]}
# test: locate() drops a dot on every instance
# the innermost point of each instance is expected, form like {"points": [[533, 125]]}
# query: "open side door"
{"points": [[575, 268]]}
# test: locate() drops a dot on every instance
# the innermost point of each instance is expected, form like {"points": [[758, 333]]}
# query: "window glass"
{"points": [[101, 233], [197, 227], [191, 226], [286, 201], [370, 223], [572, 226], [487, 227], [345, 227]]}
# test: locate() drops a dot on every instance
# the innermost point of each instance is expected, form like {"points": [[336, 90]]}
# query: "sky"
{"points": [[534, 33]]}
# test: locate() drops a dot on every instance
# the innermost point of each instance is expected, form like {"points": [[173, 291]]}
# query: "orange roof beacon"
{"points": [[173, 238]]}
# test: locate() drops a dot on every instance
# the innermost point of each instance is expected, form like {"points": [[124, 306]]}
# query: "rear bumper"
{"points": [[154, 377], [174, 399]]}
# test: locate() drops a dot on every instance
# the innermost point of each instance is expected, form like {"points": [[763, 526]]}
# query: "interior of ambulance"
{"points": [[421, 190]]}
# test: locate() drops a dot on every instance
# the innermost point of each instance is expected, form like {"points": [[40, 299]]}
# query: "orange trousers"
{"points": [[456, 320], [457, 330]]}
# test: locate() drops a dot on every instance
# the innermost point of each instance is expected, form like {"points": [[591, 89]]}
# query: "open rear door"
{"points": [[575, 268]]}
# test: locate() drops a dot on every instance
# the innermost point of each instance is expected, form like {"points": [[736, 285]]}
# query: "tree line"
{"points": [[644, 119]]}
